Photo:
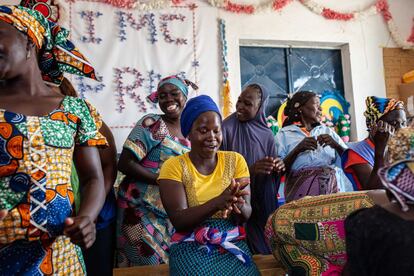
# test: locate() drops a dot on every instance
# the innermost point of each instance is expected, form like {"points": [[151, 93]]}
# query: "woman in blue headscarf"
{"points": [[206, 195], [143, 228]]}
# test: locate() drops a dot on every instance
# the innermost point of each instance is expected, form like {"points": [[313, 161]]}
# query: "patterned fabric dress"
{"points": [[35, 168], [308, 234], [143, 227]]}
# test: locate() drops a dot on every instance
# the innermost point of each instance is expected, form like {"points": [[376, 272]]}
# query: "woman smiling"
{"points": [[206, 195]]}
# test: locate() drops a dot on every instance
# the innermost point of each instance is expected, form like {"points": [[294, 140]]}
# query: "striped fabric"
{"points": [[208, 237]]}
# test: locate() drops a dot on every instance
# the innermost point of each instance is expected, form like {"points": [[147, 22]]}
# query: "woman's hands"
{"points": [[327, 140], [231, 199], [81, 230], [311, 143], [268, 165], [380, 134]]}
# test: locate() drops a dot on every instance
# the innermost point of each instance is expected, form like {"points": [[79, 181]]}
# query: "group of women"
{"points": [[198, 190]]}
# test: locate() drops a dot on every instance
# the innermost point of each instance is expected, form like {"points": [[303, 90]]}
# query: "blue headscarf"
{"points": [[193, 109]]}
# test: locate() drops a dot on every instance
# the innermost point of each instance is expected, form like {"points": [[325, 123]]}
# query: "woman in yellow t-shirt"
{"points": [[206, 195]]}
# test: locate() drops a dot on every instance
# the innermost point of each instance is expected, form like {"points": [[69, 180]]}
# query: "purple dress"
{"points": [[254, 140]]}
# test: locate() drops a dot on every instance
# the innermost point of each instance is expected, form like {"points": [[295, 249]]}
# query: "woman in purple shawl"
{"points": [[246, 132]]}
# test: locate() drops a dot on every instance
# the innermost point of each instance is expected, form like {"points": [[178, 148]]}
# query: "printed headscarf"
{"points": [[56, 53], [182, 85], [193, 109], [377, 107], [398, 176]]}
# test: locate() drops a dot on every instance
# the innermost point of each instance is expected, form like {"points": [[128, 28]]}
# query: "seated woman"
{"points": [[379, 240], [247, 133], [362, 160], [41, 134], [308, 234], [143, 228], [206, 195], [311, 151]]}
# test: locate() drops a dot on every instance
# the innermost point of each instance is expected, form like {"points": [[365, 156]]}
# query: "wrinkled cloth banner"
{"points": [[132, 50]]}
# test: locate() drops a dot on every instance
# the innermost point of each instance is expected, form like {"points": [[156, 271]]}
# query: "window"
{"points": [[285, 70]]}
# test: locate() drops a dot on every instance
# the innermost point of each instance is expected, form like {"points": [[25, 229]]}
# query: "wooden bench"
{"points": [[267, 265]]}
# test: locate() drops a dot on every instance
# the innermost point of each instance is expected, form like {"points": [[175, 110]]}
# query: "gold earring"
{"points": [[28, 54]]}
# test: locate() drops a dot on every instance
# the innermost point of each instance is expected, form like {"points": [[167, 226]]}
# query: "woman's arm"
{"points": [[130, 166], [184, 218], [108, 159], [81, 228]]}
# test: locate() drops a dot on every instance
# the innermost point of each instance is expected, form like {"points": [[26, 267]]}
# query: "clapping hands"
{"points": [[231, 199]]}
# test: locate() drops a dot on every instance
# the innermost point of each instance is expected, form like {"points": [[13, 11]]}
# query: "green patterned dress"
{"points": [[35, 169]]}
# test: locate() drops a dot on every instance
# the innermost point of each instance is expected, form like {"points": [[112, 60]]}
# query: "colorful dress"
{"points": [[308, 234], [314, 172], [35, 170], [143, 227], [359, 153], [217, 246]]}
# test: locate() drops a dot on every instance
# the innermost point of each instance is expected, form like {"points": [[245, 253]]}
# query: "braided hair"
{"points": [[256, 87], [294, 103]]}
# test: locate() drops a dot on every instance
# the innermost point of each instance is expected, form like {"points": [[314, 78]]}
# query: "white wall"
{"points": [[297, 24]]}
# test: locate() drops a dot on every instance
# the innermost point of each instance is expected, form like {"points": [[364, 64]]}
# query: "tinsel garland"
{"points": [[225, 92], [378, 7]]}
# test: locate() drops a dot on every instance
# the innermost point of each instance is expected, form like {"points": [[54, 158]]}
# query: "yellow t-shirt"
{"points": [[201, 188]]}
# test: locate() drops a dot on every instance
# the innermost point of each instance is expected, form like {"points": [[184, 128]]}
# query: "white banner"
{"points": [[132, 50]]}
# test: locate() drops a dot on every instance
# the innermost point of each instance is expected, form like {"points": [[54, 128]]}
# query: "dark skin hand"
{"points": [[268, 165], [186, 218], [81, 229], [237, 210], [307, 144], [327, 140]]}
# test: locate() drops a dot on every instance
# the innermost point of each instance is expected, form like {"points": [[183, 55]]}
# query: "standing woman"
{"points": [[311, 151], [246, 132], [39, 142], [143, 227], [99, 258], [206, 195]]}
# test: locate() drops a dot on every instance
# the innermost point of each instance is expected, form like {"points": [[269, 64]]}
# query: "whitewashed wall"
{"points": [[361, 42]]}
